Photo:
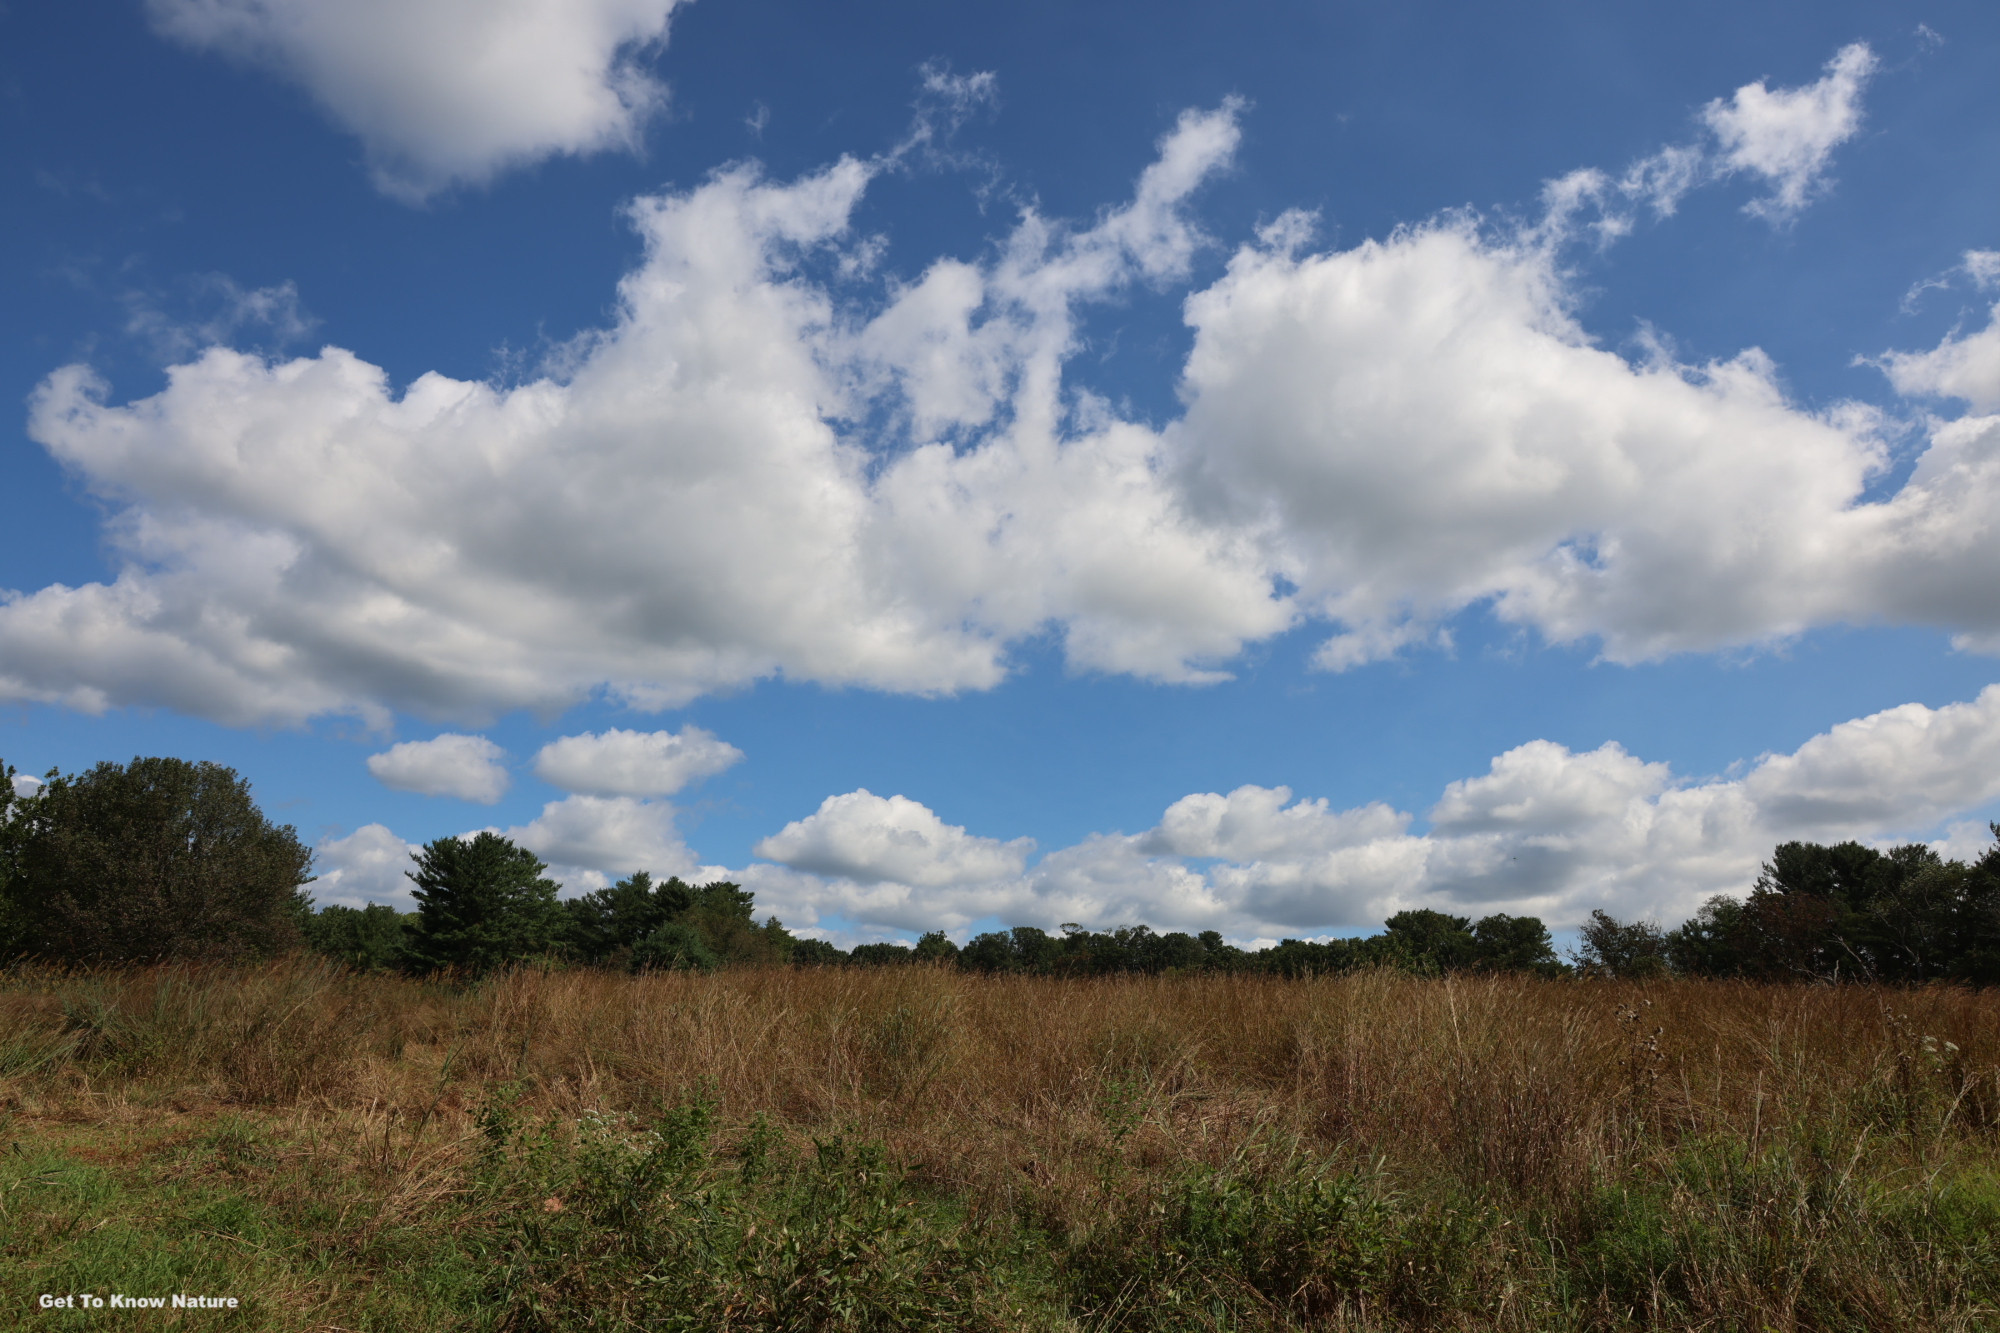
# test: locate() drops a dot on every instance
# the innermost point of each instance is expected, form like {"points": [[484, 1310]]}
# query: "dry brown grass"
{"points": [[1014, 1094], [1521, 1082]]}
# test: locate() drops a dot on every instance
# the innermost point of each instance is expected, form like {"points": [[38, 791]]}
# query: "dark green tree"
{"points": [[1848, 911], [1631, 950], [368, 939], [158, 858], [1804, 914], [1429, 942], [1221, 956], [724, 914], [1503, 943], [935, 947], [1034, 948], [674, 947], [990, 952], [15, 820], [606, 925], [1715, 942], [816, 953], [882, 953], [482, 903]]}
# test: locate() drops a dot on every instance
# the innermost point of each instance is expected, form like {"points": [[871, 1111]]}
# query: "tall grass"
{"points": [[1366, 1151]]}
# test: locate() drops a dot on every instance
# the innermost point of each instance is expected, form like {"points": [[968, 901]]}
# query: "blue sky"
{"points": [[1254, 467]]}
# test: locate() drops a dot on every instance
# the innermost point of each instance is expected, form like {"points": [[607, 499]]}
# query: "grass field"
{"points": [[918, 1148]]}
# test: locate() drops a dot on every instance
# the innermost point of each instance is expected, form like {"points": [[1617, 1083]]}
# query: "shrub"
{"points": [[369, 939], [675, 946], [815, 953], [617, 1229], [885, 954]]}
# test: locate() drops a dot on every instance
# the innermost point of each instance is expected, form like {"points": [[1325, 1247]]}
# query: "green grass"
{"points": [[686, 1224], [218, 1212]]}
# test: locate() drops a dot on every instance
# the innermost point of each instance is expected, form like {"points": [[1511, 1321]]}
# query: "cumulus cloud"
{"points": [[678, 514], [1967, 840], [870, 839], [1545, 831], [367, 866], [448, 91], [26, 785], [633, 763], [589, 841], [468, 767], [1256, 823], [753, 473], [1964, 366], [1419, 425], [1788, 136]]}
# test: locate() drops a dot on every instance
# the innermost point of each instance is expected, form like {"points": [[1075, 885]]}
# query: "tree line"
{"points": [[162, 858]]}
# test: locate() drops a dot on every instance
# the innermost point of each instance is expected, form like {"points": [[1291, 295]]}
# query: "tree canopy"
{"points": [[482, 903], [158, 858]]}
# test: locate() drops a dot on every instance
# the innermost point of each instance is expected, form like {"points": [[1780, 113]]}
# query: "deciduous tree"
{"points": [[158, 858]]}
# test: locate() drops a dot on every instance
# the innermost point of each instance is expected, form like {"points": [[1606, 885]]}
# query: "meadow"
{"points": [[924, 1147]]}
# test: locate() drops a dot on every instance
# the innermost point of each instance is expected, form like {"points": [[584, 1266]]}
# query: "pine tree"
{"points": [[482, 903]]}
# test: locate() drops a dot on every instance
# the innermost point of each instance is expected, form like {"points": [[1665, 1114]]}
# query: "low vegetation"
{"points": [[926, 1147]]}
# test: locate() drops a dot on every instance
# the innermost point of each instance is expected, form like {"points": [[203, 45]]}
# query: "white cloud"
{"points": [[1968, 841], [1379, 437], [589, 841], [870, 839], [1255, 823], [449, 91], [366, 866], [1965, 366], [468, 767], [1542, 787], [26, 785], [678, 514], [633, 763], [1788, 136], [1419, 424], [1545, 831], [1901, 768]]}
